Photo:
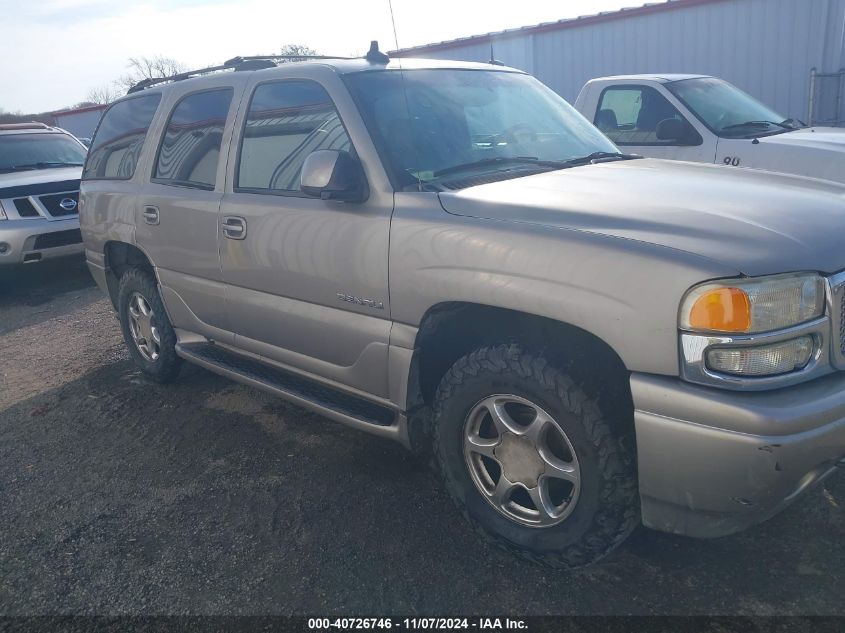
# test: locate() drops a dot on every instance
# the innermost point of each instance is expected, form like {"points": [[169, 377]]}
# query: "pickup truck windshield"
{"points": [[726, 109], [22, 152], [470, 121]]}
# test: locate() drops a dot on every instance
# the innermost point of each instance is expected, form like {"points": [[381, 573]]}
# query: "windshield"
{"points": [[22, 152], [726, 109], [469, 120]]}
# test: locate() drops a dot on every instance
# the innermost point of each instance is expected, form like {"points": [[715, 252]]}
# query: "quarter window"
{"points": [[629, 115], [119, 139], [287, 120], [190, 147]]}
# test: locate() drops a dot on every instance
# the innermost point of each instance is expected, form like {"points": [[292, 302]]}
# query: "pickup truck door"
{"points": [[306, 278], [632, 114]]}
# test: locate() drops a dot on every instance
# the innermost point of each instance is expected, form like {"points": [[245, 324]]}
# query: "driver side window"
{"points": [[630, 115]]}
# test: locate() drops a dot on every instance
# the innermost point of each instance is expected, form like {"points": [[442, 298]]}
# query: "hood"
{"points": [[817, 152], [753, 221], [37, 177], [820, 138]]}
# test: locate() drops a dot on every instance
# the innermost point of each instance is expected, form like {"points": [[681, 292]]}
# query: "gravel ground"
{"points": [[120, 496]]}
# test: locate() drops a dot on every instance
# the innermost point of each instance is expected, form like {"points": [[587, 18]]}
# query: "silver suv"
{"points": [[40, 168], [448, 255]]}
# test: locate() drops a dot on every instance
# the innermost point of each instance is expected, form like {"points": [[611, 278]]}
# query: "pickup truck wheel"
{"points": [[146, 328], [529, 459]]}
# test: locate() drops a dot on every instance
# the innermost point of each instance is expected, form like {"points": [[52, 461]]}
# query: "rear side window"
{"points": [[629, 115], [287, 120], [190, 148], [117, 144]]}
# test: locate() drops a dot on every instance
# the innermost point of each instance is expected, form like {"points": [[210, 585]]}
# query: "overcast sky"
{"points": [[55, 51]]}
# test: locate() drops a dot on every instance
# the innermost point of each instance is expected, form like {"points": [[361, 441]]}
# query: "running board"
{"points": [[332, 403]]}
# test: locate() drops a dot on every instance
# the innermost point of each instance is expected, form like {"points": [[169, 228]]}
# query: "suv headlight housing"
{"points": [[748, 306], [753, 328]]}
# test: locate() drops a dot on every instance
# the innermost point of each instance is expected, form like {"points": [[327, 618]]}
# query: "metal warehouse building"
{"points": [[790, 54]]}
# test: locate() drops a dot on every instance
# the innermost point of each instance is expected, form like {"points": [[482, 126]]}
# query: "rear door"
{"points": [[629, 115], [177, 209], [306, 278]]}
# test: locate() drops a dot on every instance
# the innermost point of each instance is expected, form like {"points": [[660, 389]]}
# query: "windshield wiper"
{"points": [[598, 156], [484, 162], [41, 165], [737, 126]]}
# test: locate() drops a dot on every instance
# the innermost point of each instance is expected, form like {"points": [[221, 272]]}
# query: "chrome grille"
{"points": [[836, 304], [842, 320]]}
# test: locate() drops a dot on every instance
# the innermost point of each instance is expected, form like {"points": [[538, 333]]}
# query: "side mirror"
{"points": [[677, 130], [331, 174]]}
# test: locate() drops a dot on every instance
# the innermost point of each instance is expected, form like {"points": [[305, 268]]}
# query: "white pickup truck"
{"points": [[707, 120]]}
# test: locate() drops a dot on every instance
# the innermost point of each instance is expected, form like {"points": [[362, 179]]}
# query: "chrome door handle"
{"points": [[151, 215], [234, 227]]}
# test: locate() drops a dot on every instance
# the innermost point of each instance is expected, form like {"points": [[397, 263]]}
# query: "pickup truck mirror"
{"points": [[679, 131], [331, 174]]}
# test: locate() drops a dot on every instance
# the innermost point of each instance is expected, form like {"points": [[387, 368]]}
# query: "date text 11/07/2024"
{"points": [[435, 624]]}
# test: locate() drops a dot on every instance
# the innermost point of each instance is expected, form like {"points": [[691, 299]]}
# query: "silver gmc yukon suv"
{"points": [[448, 255], [39, 187]]}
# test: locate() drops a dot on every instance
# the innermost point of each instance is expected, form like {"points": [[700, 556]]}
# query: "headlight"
{"points": [[2, 212], [747, 306]]}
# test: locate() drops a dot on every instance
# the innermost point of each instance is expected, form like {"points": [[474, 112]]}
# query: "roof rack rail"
{"points": [[252, 62], [30, 125]]}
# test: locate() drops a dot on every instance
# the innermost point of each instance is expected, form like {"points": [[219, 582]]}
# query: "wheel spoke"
{"points": [[502, 492], [559, 469], [502, 420], [482, 446], [156, 336], [541, 502]]}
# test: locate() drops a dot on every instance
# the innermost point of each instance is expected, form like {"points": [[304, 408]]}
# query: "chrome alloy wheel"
{"points": [[521, 461], [142, 327]]}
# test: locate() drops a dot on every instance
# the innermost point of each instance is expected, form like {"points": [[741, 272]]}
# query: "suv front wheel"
{"points": [[530, 460], [146, 328]]}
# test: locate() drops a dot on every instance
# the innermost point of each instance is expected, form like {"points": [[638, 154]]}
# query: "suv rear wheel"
{"points": [[530, 460], [146, 328]]}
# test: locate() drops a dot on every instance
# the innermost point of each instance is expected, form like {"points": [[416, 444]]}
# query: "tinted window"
{"points": [[120, 137], [22, 152], [190, 148], [629, 115], [286, 122]]}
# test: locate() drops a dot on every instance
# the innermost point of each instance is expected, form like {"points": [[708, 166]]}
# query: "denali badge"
{"points": [[369, 303], [68, 204]]}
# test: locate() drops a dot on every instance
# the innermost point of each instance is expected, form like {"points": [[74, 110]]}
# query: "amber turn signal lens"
{"points": [[721, 310]]}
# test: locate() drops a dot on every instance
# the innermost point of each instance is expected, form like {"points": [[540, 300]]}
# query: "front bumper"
{"points": [[37, 239], [713, 462]]}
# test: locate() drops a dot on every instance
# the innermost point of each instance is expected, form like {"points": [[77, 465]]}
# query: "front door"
{"points": [[306, 278], [633, 116]]}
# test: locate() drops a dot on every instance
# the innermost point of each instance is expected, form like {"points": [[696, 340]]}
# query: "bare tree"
{"points": [[296, 49], [103, 95], [141, 68]]}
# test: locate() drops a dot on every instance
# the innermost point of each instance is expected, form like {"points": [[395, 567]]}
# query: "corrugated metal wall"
{"points": [[766, 47]]}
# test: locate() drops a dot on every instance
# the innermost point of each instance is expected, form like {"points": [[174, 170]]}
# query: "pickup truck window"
{"points": [[726, 109], [119, 138], [287, 120], [190, 147], [629, 115], [484, 120]]}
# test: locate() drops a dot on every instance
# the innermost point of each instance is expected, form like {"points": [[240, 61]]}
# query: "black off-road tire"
{"points": [[607, 508], [166, 367]]}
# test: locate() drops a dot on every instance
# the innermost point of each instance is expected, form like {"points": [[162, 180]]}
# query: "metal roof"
{"points": [[567, 23]]}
